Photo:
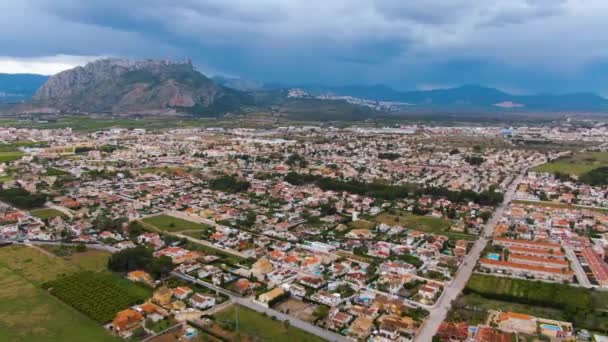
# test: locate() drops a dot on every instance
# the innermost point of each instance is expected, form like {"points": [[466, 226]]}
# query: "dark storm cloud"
{"points": [[518, 43]]}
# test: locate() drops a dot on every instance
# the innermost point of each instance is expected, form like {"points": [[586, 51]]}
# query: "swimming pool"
{"points": [[551, 327], [493, 256]]}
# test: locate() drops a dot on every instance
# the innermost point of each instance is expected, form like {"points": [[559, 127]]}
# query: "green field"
{"points": [[361, 224], [47, 213], [556, 205], [51, 171], [585, 308], [5, 179], [34, 265], [89, 260], [474, 309], [427, 224], [88, 123], [172, 224], [98, 295], [29, 313], [262, 328], [6, 157], [575, 164]]}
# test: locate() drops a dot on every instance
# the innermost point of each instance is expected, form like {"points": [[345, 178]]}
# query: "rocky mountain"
{"points": [[121, 86]]}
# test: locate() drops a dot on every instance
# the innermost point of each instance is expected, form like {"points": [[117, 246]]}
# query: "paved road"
{"points": [[578, 269], [440, 311], [313, 329]]}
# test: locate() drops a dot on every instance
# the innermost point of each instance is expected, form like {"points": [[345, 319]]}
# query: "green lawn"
{"points": [[263, 328], [172, 224], [47, 213], [6, 157], [5, 179], [576, 164], [29, 313]]}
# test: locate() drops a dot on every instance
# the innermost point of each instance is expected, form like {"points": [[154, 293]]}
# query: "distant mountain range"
{"points": [[19, 87], [470, 96], [121, 86]]}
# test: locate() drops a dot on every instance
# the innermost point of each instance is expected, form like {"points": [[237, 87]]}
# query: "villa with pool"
{"points": [[526, 324]]}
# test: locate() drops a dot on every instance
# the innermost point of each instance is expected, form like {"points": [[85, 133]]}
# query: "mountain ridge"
{"points": [[122, 86], [473, 95]]}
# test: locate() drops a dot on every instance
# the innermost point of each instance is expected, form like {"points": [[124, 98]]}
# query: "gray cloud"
{"points": [[404, 43]]}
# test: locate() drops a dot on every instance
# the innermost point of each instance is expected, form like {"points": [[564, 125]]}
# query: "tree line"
{"points": [[22, 198], [393, 192]]}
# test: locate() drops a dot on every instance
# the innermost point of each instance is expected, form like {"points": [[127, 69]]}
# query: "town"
{"points": [[409, 233]]}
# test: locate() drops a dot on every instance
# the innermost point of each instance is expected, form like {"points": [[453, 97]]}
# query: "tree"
{"points": [[596, 177], [485, 215], [321, 312], [228, 183], [389, 156], [296, 160], [474, 160], [104, 222], [140, 258], [22, 198], [135, 229], [160, 267]]}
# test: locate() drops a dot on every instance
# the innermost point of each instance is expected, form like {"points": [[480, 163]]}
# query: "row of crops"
{"points": [[98, 295]]}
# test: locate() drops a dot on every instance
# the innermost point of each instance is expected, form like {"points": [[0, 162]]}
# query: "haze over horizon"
{"points": [[519, 46]]}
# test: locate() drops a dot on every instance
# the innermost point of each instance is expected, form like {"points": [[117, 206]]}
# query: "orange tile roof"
{"points": [[148, 308], [124, 319], [487, 334], [547, 245], [526, 266], [564, 263], [535, 251]]}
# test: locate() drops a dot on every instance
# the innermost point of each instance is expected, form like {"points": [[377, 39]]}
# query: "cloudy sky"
{"points": [[516, 45]]}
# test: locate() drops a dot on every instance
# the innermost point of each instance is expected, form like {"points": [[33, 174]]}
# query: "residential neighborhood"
{"points": [[348, 234]]}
